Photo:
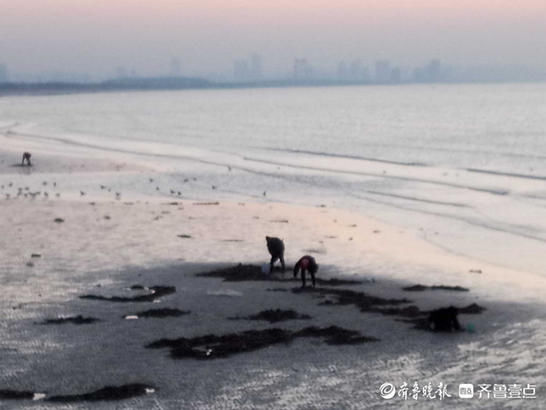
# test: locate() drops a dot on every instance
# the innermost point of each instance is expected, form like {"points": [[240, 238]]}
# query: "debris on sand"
{"points": [[279, 221], [58, 220], [35, 255], [471, 309], [274, 315], [156, 292], [77, 320], [123, 392], [475, 270], [184, 236], [206, 203], [419, 288], [224, 292], [213, 346], [159, 313]]}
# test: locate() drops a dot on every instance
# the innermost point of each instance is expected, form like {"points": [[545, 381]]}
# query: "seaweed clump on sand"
{"points": [[159, 313], [363, 301], [76, 320], [275, 315], [156, 292], [243, 273], [214, 346], [6, 394], [420, 288], [239, 273], [122, 392]]}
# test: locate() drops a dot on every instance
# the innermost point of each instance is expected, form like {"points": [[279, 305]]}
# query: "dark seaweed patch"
{"points": [[157, 292], [158, 313], [241, 273], [365, 302], [275, 315], [419, 288], [77, 320], [6, 394], [213, 346], [123, 392]]}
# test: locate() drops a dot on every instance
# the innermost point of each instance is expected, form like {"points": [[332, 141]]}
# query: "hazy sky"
{"points": [[95, 36]]}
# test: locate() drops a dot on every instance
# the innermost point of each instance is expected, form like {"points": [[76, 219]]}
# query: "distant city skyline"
{"points": [[253, 69], [92, 38]]}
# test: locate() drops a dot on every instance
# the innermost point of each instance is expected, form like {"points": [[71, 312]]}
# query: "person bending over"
{"points": [[306, 264], [275, 246]]}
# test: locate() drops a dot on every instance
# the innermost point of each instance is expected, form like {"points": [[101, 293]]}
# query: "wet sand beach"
{"points": [[116, 296]]}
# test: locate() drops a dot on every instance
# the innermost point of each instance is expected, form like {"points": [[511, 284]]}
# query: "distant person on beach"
{"points": [[275, 246], [444, 319], [26, 157], [306, 264]]}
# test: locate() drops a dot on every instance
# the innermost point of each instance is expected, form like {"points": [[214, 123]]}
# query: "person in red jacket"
{"points": [[306, 264]]}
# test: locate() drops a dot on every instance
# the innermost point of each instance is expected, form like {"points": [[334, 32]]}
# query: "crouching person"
{"points": [[306, 264]]}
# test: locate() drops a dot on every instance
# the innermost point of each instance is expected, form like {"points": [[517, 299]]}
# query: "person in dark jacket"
{"points": [[275, 246]]}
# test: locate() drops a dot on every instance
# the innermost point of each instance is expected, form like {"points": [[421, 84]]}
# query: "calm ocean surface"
{"points": [[463, 165]]}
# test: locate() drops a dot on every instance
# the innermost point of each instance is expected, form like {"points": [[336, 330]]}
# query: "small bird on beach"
{"points": [[102, 187], [82, 193]]}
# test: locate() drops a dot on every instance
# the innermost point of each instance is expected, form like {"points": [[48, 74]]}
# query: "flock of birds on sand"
{"points": [[26, 192]]}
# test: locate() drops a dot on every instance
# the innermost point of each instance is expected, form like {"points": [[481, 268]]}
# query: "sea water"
{"points": [[463, 166]]}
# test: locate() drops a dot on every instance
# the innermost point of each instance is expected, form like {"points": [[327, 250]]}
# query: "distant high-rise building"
{"points": [[430, 73], [241, 71], [256, 67], [302, 70], [395, 75], [382, 71], [342, 74], [121, 72], [4, 77], [433, 71], [175, 68]]}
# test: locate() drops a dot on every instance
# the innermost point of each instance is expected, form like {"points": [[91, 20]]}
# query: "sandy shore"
{"points": [[88, 238]]}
